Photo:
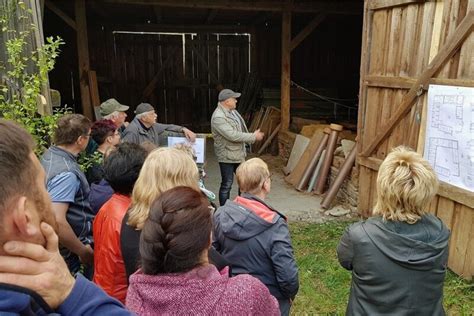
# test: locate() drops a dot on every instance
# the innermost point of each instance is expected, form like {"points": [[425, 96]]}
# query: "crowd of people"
{"points": [[138, 233]]}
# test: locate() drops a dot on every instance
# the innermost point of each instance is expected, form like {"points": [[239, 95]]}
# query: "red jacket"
{"points": [[109, 269]]}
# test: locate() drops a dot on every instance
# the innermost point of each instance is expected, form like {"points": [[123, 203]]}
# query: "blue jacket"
{"points": [[85, 299], [256, 245]]}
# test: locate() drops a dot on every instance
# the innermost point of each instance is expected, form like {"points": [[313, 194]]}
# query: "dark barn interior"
{"points": [[178, 54]]}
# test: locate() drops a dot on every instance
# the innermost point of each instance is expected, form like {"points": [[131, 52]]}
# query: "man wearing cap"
{"points": [[230, 136], [145, 128], [114, 111]]}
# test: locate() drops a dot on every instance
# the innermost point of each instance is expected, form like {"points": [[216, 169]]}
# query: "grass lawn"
{"points": [[324, 284]]}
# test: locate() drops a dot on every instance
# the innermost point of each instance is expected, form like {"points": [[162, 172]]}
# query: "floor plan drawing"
{"points": [[449, 143]]}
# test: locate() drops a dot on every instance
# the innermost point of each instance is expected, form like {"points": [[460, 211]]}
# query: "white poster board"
{"points": [[199, 146], [449, 142]]}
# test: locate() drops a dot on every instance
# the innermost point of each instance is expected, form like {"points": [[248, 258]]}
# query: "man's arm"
{"points": [[68, 238], [224, 129], [283, 259]]}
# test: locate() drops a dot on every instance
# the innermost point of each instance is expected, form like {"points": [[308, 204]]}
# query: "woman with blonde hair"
{"points": [[164, 169], [398, 257]]}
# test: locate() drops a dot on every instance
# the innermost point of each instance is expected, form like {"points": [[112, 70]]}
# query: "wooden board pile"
{"points": [[267, 119], [311, 167]]}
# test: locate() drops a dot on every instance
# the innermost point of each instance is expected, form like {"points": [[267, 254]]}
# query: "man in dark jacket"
{"points": [[255, 238], [398, 257], [34, 279], [69, 191], [144, 128]]}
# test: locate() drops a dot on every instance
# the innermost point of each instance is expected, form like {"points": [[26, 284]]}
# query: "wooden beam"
{"points": [[204, 63], [386, 4], [445, 190], [407, 83], [285, 69], [447, 51], [339, 7], [307, 30], [83, 57], [174, 28], [211, 15], [50, 5], [151, 85]]}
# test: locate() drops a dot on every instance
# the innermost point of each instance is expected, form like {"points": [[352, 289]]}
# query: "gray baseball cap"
{"points": [[143, 108], [227, 94], [110, 106]]}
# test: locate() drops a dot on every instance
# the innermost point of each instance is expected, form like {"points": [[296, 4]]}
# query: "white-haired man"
{"points": [[115, 111], [144, 128]]}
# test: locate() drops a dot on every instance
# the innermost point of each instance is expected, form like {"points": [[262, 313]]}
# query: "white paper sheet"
{"points": [[449, 142], [198, 146]]}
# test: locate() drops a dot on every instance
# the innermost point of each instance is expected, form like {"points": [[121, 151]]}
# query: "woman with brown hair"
{"points": [[175, 275]]}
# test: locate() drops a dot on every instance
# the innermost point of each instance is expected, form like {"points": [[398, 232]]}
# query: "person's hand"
{"points": [[87, 255], [258, 135], [37, 268], [191, 136]]}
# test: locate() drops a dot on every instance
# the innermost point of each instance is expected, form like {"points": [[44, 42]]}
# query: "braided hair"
{"points": [[176, 233]]}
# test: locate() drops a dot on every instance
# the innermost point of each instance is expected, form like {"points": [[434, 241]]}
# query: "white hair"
{"points": [[139, 116], [111, 116]]}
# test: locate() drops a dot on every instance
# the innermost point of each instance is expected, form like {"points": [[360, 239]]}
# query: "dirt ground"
{"points": [[297, 206]]}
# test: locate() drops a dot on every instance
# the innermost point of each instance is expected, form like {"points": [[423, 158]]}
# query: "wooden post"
{"points": [[83, 56], [285, 69]]}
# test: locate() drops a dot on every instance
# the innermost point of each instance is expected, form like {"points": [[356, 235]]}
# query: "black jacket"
{"points": [[257, 246], [397, 268]]}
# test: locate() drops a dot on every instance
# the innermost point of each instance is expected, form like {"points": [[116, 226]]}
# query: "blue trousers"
{"points": [[227, 175]]}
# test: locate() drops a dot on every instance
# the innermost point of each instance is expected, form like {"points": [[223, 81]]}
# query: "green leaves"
{"points": [[26, 72]]}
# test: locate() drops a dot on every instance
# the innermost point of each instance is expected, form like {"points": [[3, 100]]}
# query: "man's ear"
{"points": [[23, 218]]}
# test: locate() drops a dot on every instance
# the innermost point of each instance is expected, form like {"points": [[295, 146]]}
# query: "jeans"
{"points": [[227, 175]]}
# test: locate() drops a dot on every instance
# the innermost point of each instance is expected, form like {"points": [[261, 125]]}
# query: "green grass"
{"points": [[324, 284]]}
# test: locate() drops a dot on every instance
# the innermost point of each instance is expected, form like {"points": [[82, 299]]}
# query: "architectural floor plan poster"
{"points": [[449, 143]]}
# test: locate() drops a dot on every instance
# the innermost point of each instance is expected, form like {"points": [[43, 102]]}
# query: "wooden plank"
{"points": [[446, 211], [459, 244], [456, 194], [446, 52], [83, 57], [299, 147], [202, 60], [269, 139], [339, 7], [151, 85], [386, 4], [94, 88], [285, 70], [434, 47], [364, 68], [407, 83], [468, 271], [365, 191], [308, 29], [302, 164], [433, 207], [50, 5]]}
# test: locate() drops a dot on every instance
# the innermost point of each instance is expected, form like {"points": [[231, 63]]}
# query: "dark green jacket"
{"points": [[397, 268]]}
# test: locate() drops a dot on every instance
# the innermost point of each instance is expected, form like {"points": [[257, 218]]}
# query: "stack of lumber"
{"points": [[267, 120]]}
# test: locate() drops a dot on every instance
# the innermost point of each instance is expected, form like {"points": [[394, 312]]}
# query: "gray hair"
{"points": [[139, 116], [111, 116]]}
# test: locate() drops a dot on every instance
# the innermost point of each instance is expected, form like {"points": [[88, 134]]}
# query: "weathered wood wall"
{"points": [[399, 42]]}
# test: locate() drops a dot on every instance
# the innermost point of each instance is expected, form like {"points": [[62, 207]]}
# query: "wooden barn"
{"points": [[367, 64]]}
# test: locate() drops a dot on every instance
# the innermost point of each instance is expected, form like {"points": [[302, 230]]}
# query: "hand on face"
{"points": [[37, 268]]}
